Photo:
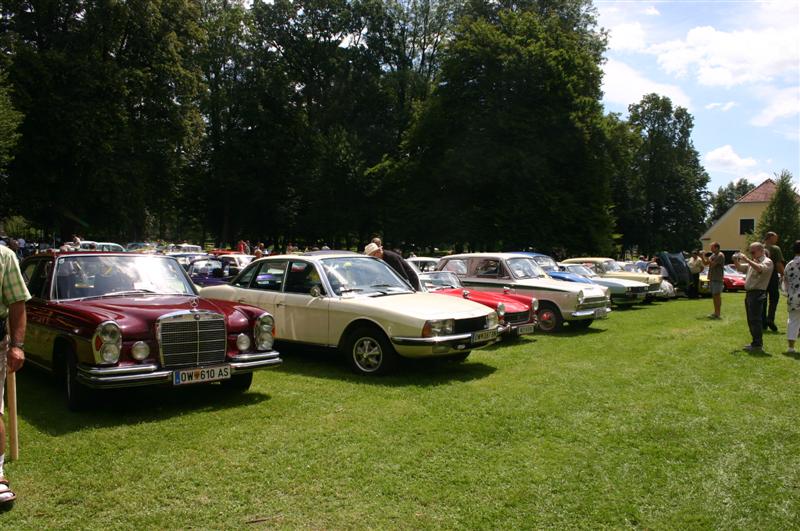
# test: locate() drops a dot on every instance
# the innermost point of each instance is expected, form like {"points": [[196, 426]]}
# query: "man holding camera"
{"points": [[759, 272], [715, 261]]}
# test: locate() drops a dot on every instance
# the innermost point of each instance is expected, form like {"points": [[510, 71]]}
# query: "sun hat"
{"points": [[371, 248]]}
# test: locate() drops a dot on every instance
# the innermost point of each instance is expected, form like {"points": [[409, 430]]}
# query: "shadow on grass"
{"points": [[42, 404], [793, 355], [752, 353], [325, 363], [569, 331]]}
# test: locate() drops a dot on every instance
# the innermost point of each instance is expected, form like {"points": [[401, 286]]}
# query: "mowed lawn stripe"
{"points": [[652, 418]]}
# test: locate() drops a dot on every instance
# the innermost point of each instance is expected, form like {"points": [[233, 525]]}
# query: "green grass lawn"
{"points": [[650, 419]]}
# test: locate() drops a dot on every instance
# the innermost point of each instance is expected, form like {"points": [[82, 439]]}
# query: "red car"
{"points": [[104, 320], [514, 311], [733, 280]]}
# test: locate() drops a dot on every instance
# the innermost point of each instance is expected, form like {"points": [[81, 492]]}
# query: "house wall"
{"points": [[726, 229]]}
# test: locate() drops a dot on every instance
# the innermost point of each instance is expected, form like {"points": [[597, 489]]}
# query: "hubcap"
{"points": [[367, 354], [547, 320]]}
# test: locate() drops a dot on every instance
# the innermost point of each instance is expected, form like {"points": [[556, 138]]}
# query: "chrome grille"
{"points": [[472, 324], [593, 302], [638, 289], [189, 339], [517, 317]]}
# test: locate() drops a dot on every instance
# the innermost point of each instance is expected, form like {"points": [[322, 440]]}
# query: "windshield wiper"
{"points": [[128, 292], [348, 290]]}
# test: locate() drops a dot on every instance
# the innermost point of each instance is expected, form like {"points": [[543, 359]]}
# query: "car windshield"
{"points": [[525, 268], [546, 263], [362, 275], [78, 277], [729, 269], [581, 270], [204, 267], [439, 280], [610, 266]]}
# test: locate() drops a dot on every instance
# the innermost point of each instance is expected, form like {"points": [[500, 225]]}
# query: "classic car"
{"points": [[609, 268], [208, 272], [103, 320], [184, 259], [140, 247], [622, 290], [559, 301], [361, 306], [517, 313], [235, 262], [733, 280], [553, 271], [423, 263]]}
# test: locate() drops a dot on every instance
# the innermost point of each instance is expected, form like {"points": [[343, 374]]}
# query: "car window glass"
{"points": [[243, 280], [488, 268], [301, 278], [270, 276], [28, 269], [459, 267]]}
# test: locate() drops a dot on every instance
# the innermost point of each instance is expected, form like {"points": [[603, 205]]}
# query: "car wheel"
{"points": [[582, 324], [549, 318], [238, 383], [76, 395], [369, 352]]}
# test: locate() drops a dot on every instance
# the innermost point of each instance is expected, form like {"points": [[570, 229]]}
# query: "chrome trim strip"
{"points": [[255, 356], [125, 380], [586, 314], [113, 371], [439, 340], [250, 366]]}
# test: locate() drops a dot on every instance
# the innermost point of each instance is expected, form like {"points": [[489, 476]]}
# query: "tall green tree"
{"points": [[782, 215], [674, 182], [726, 196], [10, 119]]}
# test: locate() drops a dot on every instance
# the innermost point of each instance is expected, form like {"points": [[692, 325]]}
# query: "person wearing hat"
{"points": [[396, 262], [695, 268]]}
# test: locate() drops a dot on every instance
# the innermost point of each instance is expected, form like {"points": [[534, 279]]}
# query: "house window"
{"points": [[747, 226]]}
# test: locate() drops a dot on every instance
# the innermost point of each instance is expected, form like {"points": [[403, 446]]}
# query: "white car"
{"points": [[101, 246], [559, 301], [622, 291], [423, 263], [361, 306]]}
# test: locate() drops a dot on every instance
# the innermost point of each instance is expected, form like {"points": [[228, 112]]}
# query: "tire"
{"points": [[583, 324], [550, 319], [76, 395], [238, 383], [369, 352]]}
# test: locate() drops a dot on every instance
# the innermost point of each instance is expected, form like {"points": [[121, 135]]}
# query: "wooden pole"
{"points": [[13, 433]]}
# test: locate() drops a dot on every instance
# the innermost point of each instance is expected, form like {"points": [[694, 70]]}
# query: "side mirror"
{"points": [[315, 291]]}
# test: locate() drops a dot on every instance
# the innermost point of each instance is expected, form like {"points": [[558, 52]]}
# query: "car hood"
{"points": [[136, 315], [620, 282], [570, 277], [487, 299], [421, 305], [637, 277], [589, 290]]}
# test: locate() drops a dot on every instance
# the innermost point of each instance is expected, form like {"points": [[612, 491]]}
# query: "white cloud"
{"points": [[651, 11], [724, 107], [624, 85], [729, 58], [627, 37], [782, 103], [724, 159]]}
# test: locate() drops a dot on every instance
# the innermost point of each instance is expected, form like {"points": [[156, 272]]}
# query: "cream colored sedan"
{"points": [[359, 305]]}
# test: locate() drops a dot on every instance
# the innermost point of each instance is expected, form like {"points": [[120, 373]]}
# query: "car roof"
{"points": [[588, 259], [315, 255], [488, 255]]}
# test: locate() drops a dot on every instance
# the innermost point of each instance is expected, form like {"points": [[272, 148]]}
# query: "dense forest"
{"points": [[469, 123]]}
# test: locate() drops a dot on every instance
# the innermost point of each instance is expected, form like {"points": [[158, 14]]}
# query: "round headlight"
{"points": [[110, 333], [140, 351], [266, 323], [265, 342], [109, 353], [501, 309], [243, 342], [535, 304]]}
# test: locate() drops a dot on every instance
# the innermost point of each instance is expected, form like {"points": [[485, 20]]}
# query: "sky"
{"points": [[734, 64]]}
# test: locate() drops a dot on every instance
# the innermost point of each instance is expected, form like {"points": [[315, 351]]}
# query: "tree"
{"points": [[10, 119], [782, 215], [674, 182], [726, 196]]}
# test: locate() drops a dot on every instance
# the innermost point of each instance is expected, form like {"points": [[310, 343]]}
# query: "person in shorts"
{"points": [[716, 273]]}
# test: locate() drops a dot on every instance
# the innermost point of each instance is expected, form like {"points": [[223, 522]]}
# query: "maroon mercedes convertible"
{"points": [[105, 320]]}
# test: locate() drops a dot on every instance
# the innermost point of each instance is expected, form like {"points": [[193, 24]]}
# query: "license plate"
{"points": [[201, 375], [483, 335], [600, 313], [526, 329]]}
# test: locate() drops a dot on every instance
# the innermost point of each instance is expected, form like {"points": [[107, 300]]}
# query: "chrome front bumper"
{"points": [[152, 374], [442, 345], [591, 313]]}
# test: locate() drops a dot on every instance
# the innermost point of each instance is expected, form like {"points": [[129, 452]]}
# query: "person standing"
{"points": [[716, 274], [695, 268], [759, 272], [396, 262], [791, 284], [13, 294], [773, 290]]}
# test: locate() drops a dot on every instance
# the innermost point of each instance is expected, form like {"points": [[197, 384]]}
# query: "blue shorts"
{"points": [[717, 287]]}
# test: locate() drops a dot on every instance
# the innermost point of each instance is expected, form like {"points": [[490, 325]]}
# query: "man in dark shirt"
{"points": [[396, 262], [773, 290]]}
